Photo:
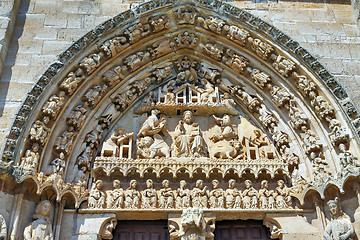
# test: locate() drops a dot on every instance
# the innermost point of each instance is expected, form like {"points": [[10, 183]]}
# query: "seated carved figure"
{"points": [[226, 144], [115, 198], [188, 141], [132, 196], [148, 196], [41, 227], [232, 196], [199, 195], [282, 197], [340, 226], [249, 196], [183, 198], [166, 195], [96, 197], [216, 196]]}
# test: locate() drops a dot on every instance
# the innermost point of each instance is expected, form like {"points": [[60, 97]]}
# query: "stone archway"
{"points": [[92, 111]]}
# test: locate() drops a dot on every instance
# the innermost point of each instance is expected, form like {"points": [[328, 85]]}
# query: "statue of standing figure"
{"points": [[183, 199], [41, 227], [188, 141], [148, 196], [340, 226], [132, 196]]}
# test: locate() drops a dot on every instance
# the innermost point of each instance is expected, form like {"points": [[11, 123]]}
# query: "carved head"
{"points": [[133, 184], [248, 183], [232, 183], [155, 111], [182, 183], [215, 183], [281, 183], [98, 184], [264, 184], [147, 141], [43, 210], [116, 184], [334, 207], [166, 183], [35, 147], [226, 120], [149, 183], [188, 116], [199, 183]]}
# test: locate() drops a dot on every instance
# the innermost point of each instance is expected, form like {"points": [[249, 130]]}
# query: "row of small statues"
{"points": [[199, 196]]}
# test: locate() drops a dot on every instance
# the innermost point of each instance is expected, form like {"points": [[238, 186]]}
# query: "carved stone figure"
{"points": [[212, 76], [85, 157], [31, 159], [71, 82], [114, 46], [235, 62], [80, 180], [261, 79], [212, 23], [135, 61], [58, 165], [226, 144], [232, 196], [77, 116], [3, 229], [306, 86], [340, 226], [132, 196], [194, 226], [267, 118], [113, 76], [252, 102], [216, 196], [148, 196], [199, 195], [152, 125], [186, 40], [41, 227], [214, 50], [96, 197], [115, 198], [166, 196], [339, 135], [186, 15], [54, 104], [137, 32], [65, 141], [187, 72], [114, 146], [322, 107], [280, 96], [261, 48], [282, 197], [266, 199], [236, 34], [159, 23], [312, 146], [90, 63], [188, 141], [94, 95], [250, 196], [183, 196], [39, 131], [283, 65], [298, 118], [124, 99], [161, 48]]}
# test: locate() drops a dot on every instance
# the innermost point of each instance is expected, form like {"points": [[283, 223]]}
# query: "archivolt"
{"points": [[274, 80]]}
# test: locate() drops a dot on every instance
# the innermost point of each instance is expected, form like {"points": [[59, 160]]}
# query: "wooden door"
{"points": [[241, 230], [141, 230]]}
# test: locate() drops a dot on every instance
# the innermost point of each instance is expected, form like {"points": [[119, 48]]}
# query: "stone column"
{"points": [[15, 213], [58, 213], [193, 224], [320, 212]]}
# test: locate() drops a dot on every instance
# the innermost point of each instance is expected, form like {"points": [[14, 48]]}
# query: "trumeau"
{"points": [[180, 104]]}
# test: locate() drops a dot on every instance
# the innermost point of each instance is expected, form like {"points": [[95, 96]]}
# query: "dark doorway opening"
{"points": [[141, 230], [241, 230]]}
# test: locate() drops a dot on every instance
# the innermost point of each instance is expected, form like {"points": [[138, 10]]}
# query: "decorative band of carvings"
{"points": [[110, 165], [131, 15]]}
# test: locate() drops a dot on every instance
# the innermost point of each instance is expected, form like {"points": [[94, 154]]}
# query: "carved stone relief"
{"points": [[41, 227]]}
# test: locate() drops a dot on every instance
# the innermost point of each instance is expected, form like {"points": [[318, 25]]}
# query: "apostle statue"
{"points": [[115, 198], [96, 197], [41, 227], [340, 226], [149, 196], [188, 141], [183, 199]]}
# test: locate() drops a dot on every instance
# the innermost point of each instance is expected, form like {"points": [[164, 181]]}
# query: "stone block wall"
{"points": [[45, 28]]}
